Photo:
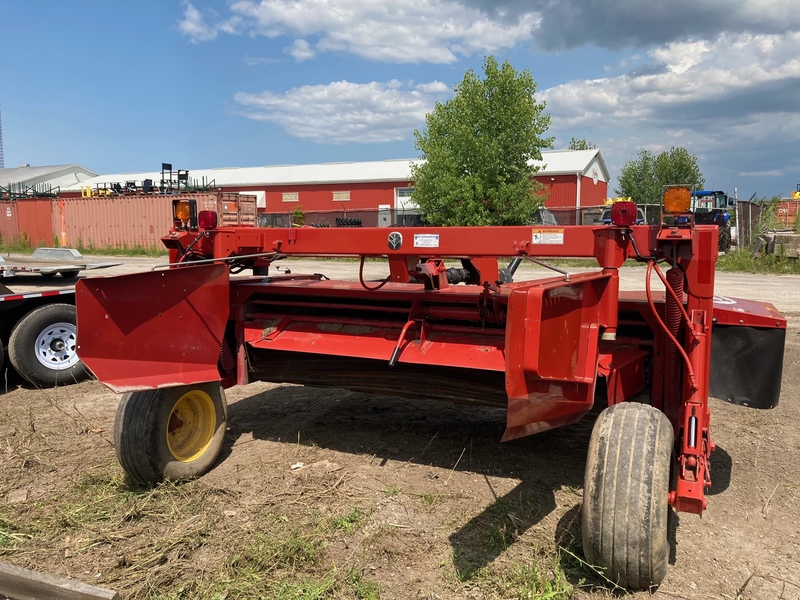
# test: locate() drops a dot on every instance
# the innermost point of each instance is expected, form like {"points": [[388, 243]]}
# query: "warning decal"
{"points": [[547, 235]]}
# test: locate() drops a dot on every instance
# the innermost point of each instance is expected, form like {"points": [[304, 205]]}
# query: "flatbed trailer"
{"points": [[38, 328], [448, 322]]}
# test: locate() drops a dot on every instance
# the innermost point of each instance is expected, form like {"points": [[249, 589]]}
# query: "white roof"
{"points": [[557, 162], [55, 174], [567, 162]]}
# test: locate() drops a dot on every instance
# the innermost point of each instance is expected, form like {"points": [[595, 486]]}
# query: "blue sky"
{"points": [[122, 86]]}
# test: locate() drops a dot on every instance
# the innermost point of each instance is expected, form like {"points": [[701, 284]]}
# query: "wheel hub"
{"points": [[56, 346], [191, 425]]}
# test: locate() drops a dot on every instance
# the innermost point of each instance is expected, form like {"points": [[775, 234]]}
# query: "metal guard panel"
{"points": [[442, 349], [153, 329], [747, 365], [552, 349]]}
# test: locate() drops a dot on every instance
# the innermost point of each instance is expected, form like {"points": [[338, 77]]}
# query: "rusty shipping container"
{"points": [[136, 220], [9, 229], [27, 217], [787, 212]]}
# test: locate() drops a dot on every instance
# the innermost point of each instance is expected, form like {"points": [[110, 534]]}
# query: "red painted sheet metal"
{"points": [[363, 339], [552, 336], [161, 328], [727, 310], [562, 190]]}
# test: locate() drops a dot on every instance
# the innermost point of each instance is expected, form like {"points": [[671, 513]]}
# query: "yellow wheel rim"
{"points": [[191, 426]]}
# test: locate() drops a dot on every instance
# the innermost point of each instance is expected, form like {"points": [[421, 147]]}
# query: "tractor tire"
{"points": [[42, 347], [724, 238], [625, 495], [170, 433]]}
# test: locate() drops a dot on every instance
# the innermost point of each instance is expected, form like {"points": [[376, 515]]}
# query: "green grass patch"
{"points": [[349, 521], [743, 261], [22, 245]]}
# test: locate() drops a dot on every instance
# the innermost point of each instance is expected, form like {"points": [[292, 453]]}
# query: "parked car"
{"points": [[605, 217]]}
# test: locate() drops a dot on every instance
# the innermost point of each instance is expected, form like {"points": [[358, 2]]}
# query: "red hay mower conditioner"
{"points": [[548, 350]]}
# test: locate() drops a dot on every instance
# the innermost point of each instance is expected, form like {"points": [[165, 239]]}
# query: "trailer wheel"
{"points": [[625, 494], [42, 346], [170, 433], [69, 274]]}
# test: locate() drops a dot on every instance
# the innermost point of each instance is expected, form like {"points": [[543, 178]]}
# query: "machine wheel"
{"points": [[724, 238], [42, 346], [625, 494], [69, 274], [170, 433]]}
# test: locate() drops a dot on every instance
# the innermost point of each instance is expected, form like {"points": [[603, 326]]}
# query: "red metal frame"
{"points": [[535, 346]]}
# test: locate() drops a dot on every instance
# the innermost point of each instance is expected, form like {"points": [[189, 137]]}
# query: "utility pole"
{"points": [[2, 160]]}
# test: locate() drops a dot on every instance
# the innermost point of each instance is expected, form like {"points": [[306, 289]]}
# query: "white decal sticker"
{"points": [[426, 240], [547, 236]]}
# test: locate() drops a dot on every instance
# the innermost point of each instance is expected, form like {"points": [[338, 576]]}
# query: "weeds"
{"points": [[349, 521], [743, 261], [22, 245]]}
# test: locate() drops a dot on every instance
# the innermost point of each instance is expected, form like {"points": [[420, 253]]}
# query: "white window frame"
{"points": [[341, 198]]}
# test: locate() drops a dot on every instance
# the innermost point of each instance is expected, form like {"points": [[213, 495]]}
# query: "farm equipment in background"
{"points": [[713, 208], [448, 323]]}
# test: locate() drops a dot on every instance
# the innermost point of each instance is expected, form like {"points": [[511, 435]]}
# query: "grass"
{"points": [[743, 261], [349, 521], [22, 245], [174, 541], [277, 555]]}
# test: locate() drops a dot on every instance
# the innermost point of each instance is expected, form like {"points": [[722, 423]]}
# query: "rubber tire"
{"points": [[625, 495], [22, 352], [69, 274], [140, 434], [724, 238]]}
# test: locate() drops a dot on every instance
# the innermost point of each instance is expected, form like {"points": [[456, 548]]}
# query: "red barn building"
{"points": [[377, 192], [574, 178]]}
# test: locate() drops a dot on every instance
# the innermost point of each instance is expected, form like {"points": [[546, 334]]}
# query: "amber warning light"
{"points": [[677, 200], [623, 214]]}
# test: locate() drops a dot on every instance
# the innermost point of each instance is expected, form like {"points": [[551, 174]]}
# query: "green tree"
{"points": [[580, 144], [643, 179], [477, 148]]}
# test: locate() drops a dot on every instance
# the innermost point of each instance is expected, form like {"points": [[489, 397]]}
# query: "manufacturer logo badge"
{"points": [[395, 240]]}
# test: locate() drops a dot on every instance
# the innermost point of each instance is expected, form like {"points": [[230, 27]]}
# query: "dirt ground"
{"points": [[410, 499]]}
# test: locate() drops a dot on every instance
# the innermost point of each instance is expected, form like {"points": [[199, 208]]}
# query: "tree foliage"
{"points": [[477, 149], [643, 179], [580, 144]]}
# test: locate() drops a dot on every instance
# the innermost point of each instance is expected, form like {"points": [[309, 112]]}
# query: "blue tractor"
{"points": [[713, 208]]}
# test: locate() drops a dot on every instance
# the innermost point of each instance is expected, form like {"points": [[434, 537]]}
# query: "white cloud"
{"points": [[194, 26], [345, 112], [413, 31], [300, 50], [733, 102], [256, 61]]}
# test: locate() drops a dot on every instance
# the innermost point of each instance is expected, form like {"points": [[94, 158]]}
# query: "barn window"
{"points": [[290, 197], [341, 196]]}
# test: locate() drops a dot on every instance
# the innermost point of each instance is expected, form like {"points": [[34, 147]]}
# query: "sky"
{"points": [[120, 87]]}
